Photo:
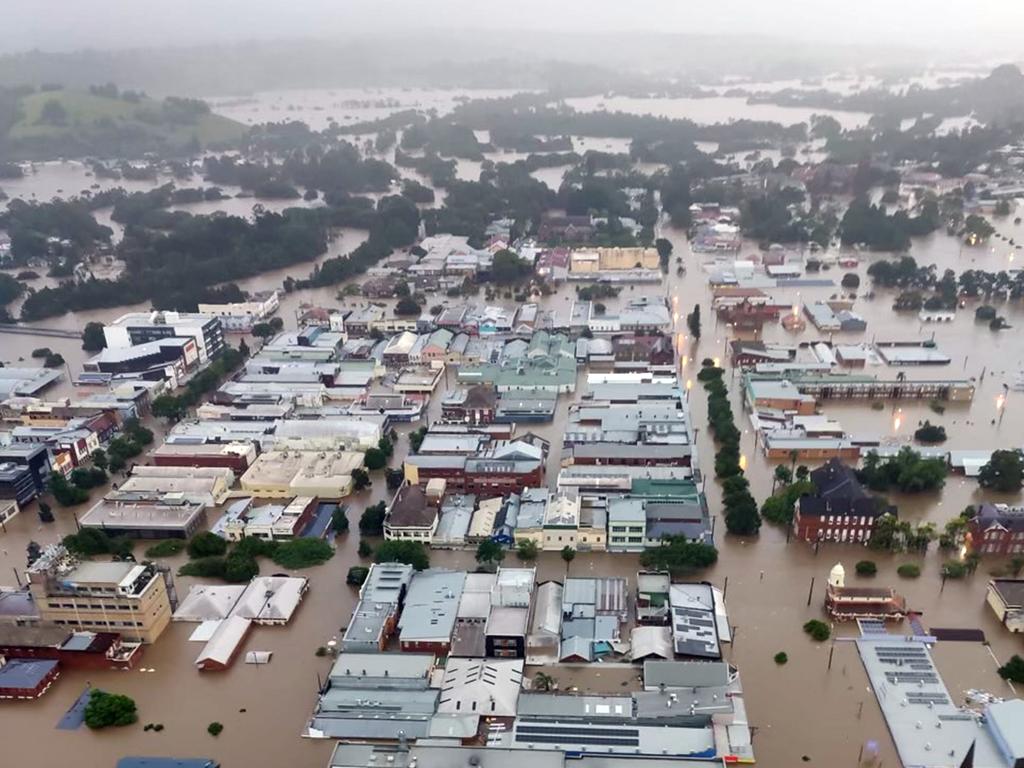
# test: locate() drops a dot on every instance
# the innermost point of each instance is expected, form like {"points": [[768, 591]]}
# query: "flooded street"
{"points": [[803, 709]]}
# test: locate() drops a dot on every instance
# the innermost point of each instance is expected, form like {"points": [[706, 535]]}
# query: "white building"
{"points": [[141, 327], [241, 316]]}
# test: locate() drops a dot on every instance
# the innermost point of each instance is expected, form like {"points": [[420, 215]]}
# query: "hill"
{"points": [[104, 123]]}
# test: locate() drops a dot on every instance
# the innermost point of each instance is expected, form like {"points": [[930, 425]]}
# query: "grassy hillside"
{"points": [[73, 123]]}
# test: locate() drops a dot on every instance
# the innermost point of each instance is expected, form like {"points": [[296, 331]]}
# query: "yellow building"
{"points": [[285, 474], [594, 260], [129, 598], [584, 261], [628, 258]]}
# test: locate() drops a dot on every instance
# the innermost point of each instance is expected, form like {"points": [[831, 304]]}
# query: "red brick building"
{"points": [[839, 510], [79, 650], [234, 456], [475, 405], [996, 529]]}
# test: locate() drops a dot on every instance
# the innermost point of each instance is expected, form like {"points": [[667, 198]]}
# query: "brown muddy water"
{"points": [[802, 709]]}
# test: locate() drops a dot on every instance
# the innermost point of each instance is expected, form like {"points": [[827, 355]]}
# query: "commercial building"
{"points": [[286, 474], [101, 596], [26, 678], [141, 327], [593, 610], [24, 471], [694, 622], [71, 649], [234, 456], [164, 518], [376, 697], [271, 522], [208, 486], [170, 360], [484, 687], [413, 512], [473, 405], [241, 316], [430, 609], [1006, 598], [381, 599], [928, 726]]}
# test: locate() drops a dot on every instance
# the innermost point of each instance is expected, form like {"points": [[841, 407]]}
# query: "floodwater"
{"points": [[801, 710], [713, 109]]}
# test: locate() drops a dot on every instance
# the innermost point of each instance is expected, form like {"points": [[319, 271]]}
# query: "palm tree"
{"points": [[783, 474], [543, 682], [568, 553]]}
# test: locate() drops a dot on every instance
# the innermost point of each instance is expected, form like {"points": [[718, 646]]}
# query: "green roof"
{"points": [[681, 489]]}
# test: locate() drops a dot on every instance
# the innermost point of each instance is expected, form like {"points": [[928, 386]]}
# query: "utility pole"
{"points": [[810, 591]]}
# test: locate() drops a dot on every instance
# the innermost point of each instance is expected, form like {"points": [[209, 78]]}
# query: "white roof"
{"points": [[221, 647], [271, 598], [477, 686], [651, 641], [208, 602]]}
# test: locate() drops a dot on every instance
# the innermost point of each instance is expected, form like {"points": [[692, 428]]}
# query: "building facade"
{"points": [[128, 598]]}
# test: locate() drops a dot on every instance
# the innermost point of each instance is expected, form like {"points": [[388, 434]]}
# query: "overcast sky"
{"points": [[986, 27]]}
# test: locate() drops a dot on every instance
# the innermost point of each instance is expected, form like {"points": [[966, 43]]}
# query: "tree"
{"points": [[851, 280], [45, 513], [543, 682], [92, 337], [693, 322], [818, 630], [206, 544], [66, 494], [371, 522], [782, 474], [99, 459], [399, 551], [866, 568], [508, 269], [243, 349], [54, 360], [214, 729], [262, 330], [803, 472], [1013, 670], [781, 658], [1004, 471], [364, 549], [357, 575], [679, 556], [360, 479], [907, 471], [394, 477], [375, 459], [407, 306], [664, 252], [489, 552], [527, 550], [339, 520], [109, 709], [909, 570], [53, 113], [568, 555], [302, 553], [930, 433], [167, 406], [90, 542]]}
